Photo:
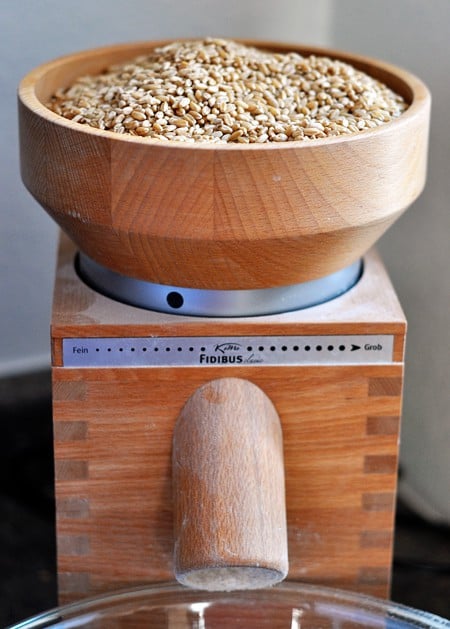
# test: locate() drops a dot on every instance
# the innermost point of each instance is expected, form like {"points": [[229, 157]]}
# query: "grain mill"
{"points": [[227, 346]]}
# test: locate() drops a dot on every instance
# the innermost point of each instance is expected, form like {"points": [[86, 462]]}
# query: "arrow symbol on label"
{"points": [[355, 347]]}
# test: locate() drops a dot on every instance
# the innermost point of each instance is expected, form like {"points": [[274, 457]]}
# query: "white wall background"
{"points": [[34, 32], [416, 35], [412, 33]]}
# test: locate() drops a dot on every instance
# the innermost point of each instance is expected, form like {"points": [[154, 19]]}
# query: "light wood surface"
{"points": [[114, 427], [113, 446], [220, 216], [370, 307], [228, 489]]}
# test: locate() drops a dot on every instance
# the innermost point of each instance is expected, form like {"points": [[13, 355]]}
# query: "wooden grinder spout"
{"points": [[229, 495]]}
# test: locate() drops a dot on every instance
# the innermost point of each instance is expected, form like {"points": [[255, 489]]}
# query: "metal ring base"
{"points": [[216, 303]]}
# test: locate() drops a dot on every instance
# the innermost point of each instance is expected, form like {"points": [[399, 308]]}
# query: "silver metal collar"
{"points": [[216, 303]]}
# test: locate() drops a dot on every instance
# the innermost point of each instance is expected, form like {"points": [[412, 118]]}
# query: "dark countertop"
{"points": [[421, 576]]}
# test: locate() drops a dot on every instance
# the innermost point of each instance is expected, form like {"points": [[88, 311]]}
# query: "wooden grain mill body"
{"points": [[223, 218], [113, 430]]}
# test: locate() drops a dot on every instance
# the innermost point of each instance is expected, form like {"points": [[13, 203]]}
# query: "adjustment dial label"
{"points": [[228, 351]]}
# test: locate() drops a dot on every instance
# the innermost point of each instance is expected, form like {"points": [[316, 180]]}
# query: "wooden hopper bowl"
{"points": [[226, 216]]}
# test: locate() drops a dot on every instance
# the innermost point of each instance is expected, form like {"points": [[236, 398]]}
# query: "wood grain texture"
{"points": [[220, 216], [228, 489], [331, 496], [370, 307], [340, 426]]}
